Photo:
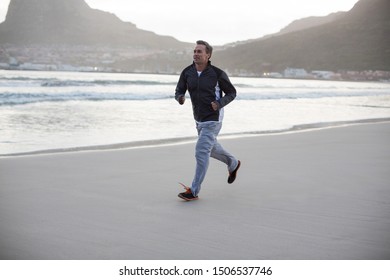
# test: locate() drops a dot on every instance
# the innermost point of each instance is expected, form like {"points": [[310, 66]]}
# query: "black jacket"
{"points": [[203, 91]]}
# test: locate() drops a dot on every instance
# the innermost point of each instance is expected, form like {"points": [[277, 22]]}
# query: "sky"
{"points": [[216, 21]]}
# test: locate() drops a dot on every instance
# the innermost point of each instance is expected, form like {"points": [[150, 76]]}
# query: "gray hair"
{"points": [[209, 48]]}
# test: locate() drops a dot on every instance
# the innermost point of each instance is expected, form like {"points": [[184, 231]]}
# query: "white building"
{"points": [[295, 73]]}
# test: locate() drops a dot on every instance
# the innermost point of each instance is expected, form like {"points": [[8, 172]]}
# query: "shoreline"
{"points": [[191, 139]]}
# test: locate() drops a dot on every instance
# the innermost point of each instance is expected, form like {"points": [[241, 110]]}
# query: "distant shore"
{"points": [[353, 76]]}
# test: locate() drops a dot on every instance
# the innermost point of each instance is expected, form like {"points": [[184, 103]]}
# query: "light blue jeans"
{"points": [[207, 146]]}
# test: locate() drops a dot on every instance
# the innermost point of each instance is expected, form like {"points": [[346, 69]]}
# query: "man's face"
{"points": [[200, 55]]}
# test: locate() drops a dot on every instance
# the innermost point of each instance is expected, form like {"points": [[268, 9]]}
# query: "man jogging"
{"points": [[206, 85]]}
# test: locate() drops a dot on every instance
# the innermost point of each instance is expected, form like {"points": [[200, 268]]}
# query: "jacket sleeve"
{"points": [[181, 87], [228, 88]]}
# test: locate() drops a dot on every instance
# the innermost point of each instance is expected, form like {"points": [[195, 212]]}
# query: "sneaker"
{"points": [[233, 174], [187, 195]]}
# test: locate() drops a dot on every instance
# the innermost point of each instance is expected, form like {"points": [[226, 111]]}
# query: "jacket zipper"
{"points": [[198, 95]]}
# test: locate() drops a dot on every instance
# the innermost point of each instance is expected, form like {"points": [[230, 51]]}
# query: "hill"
{"points": [[72, 33], [356, 40], [73, 22], [296, 25], [309, 22]]}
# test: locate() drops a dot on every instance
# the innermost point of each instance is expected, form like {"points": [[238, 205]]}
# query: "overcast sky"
{"points": [[216, 21]]}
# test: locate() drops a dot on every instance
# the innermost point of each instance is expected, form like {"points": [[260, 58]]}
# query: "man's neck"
{"points": [[201, 67]]}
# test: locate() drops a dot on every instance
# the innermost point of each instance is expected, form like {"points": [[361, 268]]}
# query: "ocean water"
{"points": [[66, 110]]}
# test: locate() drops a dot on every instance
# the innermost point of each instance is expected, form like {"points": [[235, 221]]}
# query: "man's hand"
{"points": [[182, 99], [215, 105]]}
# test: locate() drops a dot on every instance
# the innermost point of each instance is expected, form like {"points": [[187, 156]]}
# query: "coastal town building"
{"points": [[103, 59]]}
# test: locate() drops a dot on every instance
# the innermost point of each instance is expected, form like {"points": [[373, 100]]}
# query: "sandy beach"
{"points": [[319, 194]]}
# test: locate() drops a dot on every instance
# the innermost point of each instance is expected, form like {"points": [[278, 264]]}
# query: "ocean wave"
{"points": [[54, 82], [283, 95], [11, 99], [60, 83], [20, 78], [20, 90], [82, 83]]}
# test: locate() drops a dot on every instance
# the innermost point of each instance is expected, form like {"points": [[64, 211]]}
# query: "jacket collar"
{"points": [[208, 65]]}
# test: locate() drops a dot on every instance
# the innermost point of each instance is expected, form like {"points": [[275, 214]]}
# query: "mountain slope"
{"points": [[359, 40], [73, 22], [309, 22]]}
